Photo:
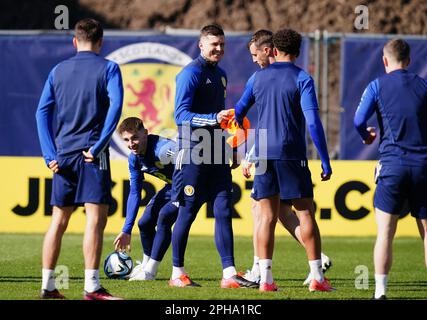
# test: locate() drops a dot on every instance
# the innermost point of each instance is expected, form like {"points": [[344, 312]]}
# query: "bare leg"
{"points": [[386, 227], [290, 221], [96, 219], [309, 230], [53, 238], [254, 273], [268, 210], [422, 228], [256, 222]]}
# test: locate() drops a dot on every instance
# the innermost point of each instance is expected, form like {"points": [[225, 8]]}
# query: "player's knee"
{"points": [[188, 210], [269, 218], [61, 225], [223, 209], [167, 217], [165, 221], [145, 224], [96, 223]]}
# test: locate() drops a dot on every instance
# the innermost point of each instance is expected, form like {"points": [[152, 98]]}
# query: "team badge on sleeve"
{"points": [[189, 190]]}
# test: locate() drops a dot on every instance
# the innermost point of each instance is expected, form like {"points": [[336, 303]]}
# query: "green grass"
{"points": [[20, 269]]}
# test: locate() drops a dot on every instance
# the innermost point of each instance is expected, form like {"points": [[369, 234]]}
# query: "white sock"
{"points": [[265, 271], [177, 272], [323, 256], [255, 266], [48, 279], [92, 280], [380, 284], [152, 266], [145, 259], [228, 272], [316, 269]]}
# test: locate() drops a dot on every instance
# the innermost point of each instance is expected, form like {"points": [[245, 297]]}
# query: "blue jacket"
{"points": [[87, 93], [399, 99], [200, 95]]}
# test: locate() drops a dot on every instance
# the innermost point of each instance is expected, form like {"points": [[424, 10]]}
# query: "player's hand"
{"points": [[223, 115], [53, 165], [246, 169], [326, 172], [122, 242], [88, 155], [372, 135]]}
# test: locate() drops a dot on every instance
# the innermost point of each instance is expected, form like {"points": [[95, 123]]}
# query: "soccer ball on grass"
{"points": [[118, 265]]}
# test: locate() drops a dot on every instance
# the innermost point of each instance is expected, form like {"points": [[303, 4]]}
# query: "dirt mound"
{"points": [[385, 16]]}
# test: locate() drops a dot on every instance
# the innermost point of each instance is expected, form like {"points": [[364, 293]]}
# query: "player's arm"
{"points": [[134, 200], [167, 151], [245, 102], [115, 94], [44, 115], [187, 82], [310, 109], [365, 110]]}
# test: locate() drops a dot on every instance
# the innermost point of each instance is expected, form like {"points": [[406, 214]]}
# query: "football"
{"points": [[118, 265]]}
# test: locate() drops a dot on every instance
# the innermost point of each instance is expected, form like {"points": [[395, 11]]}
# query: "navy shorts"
{"points": [[291, 179], [401, 188], [78, 182], [205, 182]]}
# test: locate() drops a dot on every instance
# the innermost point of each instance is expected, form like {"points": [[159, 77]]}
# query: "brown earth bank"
{"points": [[385, 16]]}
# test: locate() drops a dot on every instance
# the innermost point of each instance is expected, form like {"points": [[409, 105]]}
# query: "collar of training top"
{"points": [[206, 62], [86, 53]]}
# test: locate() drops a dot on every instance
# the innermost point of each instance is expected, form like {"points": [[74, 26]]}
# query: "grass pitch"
{"points": [[20, 270]]}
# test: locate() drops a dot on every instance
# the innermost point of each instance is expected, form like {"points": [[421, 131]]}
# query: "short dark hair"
{"points": [[88, 30], [399, 49], [260, 38], [288, 41], [213, 29], [131, 124]]}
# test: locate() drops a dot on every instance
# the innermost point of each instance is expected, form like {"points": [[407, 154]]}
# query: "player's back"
{"points": [[403, 116], [278, 98], [82, 101]]}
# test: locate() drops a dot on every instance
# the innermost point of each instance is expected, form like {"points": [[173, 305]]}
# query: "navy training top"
{"points": [[158, 161], [286, 100], [87, 92], [399, 99]]}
